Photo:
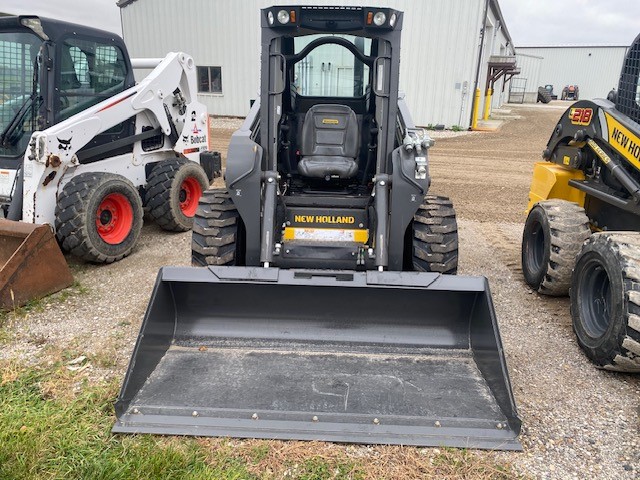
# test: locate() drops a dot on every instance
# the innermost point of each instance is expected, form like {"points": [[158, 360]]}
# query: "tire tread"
{"points": [[158, 194], [215, 229], [71, 211], [435, 236], [626, 248], [569, 228]]}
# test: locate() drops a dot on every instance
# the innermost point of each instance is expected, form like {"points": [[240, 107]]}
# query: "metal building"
{"points": [[440, 52], [595, 69], [524, 86]]}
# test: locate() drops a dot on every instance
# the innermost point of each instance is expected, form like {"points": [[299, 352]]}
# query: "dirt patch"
{"points": [[487, 176]]}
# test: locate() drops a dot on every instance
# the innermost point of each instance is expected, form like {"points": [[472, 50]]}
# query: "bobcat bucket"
{"points": [[362, 357], [32, 264]]}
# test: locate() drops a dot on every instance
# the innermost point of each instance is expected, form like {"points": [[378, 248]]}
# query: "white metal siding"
{"points": [[529, 66], [501, 88], [595, 70], [439, 48], [495, 43]]}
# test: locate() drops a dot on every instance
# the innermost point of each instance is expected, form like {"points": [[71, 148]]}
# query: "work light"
{"points": [[283, 16], [379, 18]]}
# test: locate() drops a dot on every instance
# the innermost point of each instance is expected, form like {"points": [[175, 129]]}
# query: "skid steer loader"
{"points": [[82, 148], [326, 307], [582, 234]]}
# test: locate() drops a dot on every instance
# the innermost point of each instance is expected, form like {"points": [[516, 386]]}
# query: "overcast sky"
{"points": [[553, 22], [530, 22]]}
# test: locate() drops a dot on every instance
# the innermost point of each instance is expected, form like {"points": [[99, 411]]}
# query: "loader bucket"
{"points": [[362, 357], [32, 264]]}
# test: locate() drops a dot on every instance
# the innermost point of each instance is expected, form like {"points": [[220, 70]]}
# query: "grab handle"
{"points": [[338, 276]]}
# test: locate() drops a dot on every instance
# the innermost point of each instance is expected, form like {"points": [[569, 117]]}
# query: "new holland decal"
{"points": [[624, 141], [348, 220]]}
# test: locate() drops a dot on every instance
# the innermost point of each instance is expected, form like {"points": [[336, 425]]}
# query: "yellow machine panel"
{"points": [[552, 181], [624, 140]]}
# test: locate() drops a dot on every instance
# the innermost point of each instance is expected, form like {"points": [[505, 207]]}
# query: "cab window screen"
{"points": [[89, 73], [19, 96], [331, 70]]}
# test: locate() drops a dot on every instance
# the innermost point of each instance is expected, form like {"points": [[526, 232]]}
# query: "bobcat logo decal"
{"points": [[64, 144]]}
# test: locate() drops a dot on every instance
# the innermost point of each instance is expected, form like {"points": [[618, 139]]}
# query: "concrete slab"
{"points": [[491, 125]]}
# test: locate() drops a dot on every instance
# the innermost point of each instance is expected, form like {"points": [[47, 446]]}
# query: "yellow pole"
{"points": [[476, 106], [487, 104]]}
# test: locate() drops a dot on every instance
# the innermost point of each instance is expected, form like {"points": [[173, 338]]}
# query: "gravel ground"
{"points": [[579, 422], [440, 134]]}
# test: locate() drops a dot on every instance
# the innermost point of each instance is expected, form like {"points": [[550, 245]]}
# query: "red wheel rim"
{"points": [[190, 193], [114, 218]]}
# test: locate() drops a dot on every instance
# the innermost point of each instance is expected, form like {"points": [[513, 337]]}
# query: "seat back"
{"points": [[330, 130]]}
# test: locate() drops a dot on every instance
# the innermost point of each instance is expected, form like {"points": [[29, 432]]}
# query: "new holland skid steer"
{"points": [[326, 307], [582, 234], [82, 148]]}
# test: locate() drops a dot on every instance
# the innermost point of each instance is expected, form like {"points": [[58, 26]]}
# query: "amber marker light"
{"points": [[369, 18]]}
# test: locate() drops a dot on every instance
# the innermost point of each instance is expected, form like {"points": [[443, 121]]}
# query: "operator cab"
{"points": [[329, 110], [322, 85], [627, 98], [331, 144], [52, 70]]}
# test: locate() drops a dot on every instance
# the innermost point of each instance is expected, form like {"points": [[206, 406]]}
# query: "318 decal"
{"points": [[580, 116]]}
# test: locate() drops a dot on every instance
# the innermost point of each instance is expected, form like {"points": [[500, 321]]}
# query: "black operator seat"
{"points": [[330, 142]]}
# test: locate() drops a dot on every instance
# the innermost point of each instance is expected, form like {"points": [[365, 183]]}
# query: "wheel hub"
{"points": [[189, 196], [114, 218], [595, 294], [535, 244], [106, 217]]}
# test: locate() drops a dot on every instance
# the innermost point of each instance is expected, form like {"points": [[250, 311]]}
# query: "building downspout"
{"points": [[476, 97]]}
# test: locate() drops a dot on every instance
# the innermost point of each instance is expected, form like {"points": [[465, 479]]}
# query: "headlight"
{"points": [[379, 18], [392, 20], [270, 18], [283, 16]]}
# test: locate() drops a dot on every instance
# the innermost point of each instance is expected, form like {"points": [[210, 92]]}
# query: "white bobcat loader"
{"points": [[83, 148]]}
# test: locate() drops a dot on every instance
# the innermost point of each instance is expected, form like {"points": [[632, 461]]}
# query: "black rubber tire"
{"points": [[543, 95], [435, 236], [218, 235], [553, 235], [605, 300], [163, 192], [75, 214]]}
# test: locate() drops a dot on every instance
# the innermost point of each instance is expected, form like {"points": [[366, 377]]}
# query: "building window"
{"points": [[210, 79]]}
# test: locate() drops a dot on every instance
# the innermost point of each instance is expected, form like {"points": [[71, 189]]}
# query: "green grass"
{"points": [[55, 424], [48, 432], [316, 469], [75, 289], [32, 306], [43, 435]]}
